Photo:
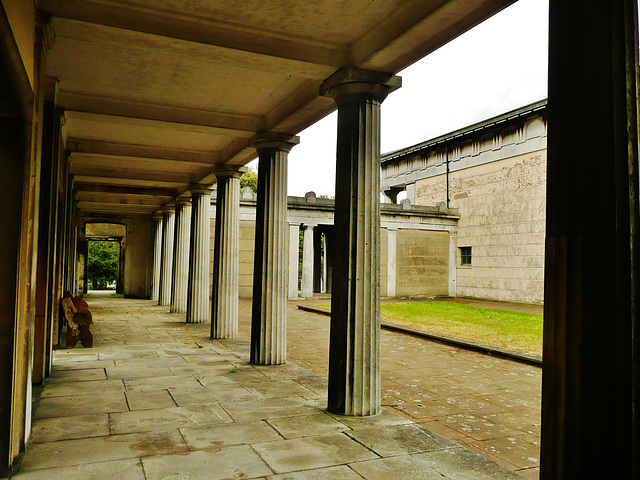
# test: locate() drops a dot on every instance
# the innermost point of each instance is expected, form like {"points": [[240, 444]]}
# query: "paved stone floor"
{"points": [[157, 399], [487, 404]]}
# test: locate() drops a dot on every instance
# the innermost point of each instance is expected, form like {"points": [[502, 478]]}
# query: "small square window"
{"points": [[465, 255]]}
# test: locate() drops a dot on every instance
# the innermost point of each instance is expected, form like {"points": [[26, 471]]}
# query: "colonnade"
{"points": [[354, 378], [317, 265]]}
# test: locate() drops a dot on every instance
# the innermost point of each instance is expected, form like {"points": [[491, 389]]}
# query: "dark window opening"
{"points": [[465, 255]]}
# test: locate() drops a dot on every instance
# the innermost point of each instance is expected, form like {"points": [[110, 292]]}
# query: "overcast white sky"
{"points": [[498, 66]]}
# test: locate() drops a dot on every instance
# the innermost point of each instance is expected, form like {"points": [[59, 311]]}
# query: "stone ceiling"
{"points": [[155, 94]]}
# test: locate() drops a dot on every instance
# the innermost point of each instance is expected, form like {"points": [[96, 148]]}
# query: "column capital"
{"points": [[274, 141], [224, 170], [168, 208], [199, 189], [182, 201], [157, 215], [45, 34], [351, 83]]}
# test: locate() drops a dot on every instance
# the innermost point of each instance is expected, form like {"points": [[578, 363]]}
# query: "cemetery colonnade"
{"points": [[591, 372]]}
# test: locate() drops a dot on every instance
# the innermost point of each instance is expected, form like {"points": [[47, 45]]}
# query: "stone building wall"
{"points": [[422, 263], [502, 219], [497, 181]]}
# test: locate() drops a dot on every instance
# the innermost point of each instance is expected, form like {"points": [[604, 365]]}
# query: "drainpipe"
{"points": [[446, 149]]}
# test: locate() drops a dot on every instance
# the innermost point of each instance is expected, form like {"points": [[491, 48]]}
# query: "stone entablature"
{"points": [[518, 132]]}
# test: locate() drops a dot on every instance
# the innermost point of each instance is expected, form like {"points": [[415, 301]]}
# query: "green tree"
{"points": [[102, 267], [249, 179]]}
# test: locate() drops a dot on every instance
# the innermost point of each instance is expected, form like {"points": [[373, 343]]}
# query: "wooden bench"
{"points": [[78, 317]]}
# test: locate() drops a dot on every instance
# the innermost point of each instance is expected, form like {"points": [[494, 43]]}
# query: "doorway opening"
{"points": [[103, 264]]}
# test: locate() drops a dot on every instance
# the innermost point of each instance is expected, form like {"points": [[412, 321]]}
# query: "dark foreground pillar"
{"points": [[354, 352], [590, 375], [270, 270]]}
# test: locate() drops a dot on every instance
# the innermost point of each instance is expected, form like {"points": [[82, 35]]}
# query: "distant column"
{"points": [[317, 261], [181, 257], [198, 308], [324, 264], [294, 253], [224, 308], [270, 282], [166, 265], [354, 352], [453, 257], [157, 257], [328, 257], [391, 262], [307, 262]]}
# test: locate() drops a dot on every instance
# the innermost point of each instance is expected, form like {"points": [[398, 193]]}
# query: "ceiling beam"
{"points": [[116, 161], [99, 147], [174, 24], [123, 190], [418, 28], [131, 174], [119, 199], [188, 126], [224, 123], [117, 181], [115, 208]]}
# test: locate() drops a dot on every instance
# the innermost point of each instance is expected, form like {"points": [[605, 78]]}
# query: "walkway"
{"points": [[156, 399], [489, 405]]}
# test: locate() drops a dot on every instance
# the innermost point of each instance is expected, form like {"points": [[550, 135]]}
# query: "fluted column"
{"points": [[157, 257], [307, 262], [354, 352], [224, 307], [198, 309], [270, 275], [166, 264], [181, 257], [294, 252]]}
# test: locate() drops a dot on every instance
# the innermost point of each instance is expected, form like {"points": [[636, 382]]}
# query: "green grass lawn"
{"points": [[503, 328]]}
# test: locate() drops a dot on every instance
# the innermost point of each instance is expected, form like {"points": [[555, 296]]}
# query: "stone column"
{"points": [[354, 351], [324, 264], [157, 256], [198, 308], [391, 262], [294, 253], [224, 307], [270, 282], [328, 257], [182, 237], [453, 256], [46, 251], [317, 260], [591, 352], [166, 265], [307, 262]]}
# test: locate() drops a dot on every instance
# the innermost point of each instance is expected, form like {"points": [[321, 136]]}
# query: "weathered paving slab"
{"points": [[232, 462], [117, 470]]}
